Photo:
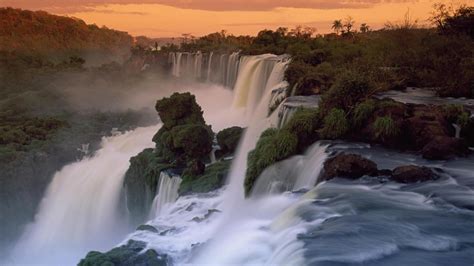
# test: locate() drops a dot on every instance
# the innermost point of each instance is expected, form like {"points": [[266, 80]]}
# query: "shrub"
{"points": [[304, 123], [385, 128], [273, 146], [348, 90], [194, 140], [452, 112], [335, 125], [363, 111], [179, 109], [229, 138]]}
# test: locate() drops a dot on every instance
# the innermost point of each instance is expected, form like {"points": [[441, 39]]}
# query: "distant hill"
{"points": [[41, 33]]}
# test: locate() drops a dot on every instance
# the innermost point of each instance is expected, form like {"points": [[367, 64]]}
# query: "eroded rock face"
{"points": [[444, 148], [413, 174], [351, 166]]}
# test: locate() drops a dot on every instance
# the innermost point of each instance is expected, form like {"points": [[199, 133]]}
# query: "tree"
{"points": [[364, 27], [337, 26], [348, 24]]}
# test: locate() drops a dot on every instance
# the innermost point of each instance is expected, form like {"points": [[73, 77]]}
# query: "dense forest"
{"points": [[40, 33]]}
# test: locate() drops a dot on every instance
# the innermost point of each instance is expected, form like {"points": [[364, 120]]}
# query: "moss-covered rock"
{"points": [[228, 139], [179, 109], [273, 146], [213, 178], [304, 124], [140, 183], [194, 141], [130, 254]]}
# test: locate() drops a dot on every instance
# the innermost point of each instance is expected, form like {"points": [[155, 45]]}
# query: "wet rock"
{"points": [[444, 148], [351, 166], [413, 174], [206, 216], [147, 227], [130, 254]]}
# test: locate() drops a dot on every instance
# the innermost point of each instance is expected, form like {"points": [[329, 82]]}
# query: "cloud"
{"points": [[71, 6]]}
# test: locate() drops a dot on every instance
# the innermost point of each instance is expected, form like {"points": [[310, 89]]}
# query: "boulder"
{"points": [[351, 166], [412, 174], [444, 148]]}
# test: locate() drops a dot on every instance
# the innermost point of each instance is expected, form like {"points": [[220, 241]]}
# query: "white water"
{"points": [[167, 193], [80, 210]]}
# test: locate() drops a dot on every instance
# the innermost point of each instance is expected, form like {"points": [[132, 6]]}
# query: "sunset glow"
{"points": [[173, 18]]}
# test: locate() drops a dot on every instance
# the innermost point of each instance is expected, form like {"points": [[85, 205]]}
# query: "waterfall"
{"points": [[295, 173], [249, 84], [167, 192], [80, 210], [232, 70], [197, 65], [223, 71], [457, 129], [209, 64], [256, 75]]}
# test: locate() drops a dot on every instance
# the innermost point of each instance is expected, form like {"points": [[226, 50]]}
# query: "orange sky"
{"points": [[171, 18]]}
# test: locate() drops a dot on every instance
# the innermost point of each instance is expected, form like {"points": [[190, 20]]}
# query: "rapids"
{"points": [[289, 219]]}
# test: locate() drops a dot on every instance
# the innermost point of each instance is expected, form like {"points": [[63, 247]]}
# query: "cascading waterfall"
{"points": [[209, 65], [167, 192], [222, 70], [232, 70], [80, 211]]}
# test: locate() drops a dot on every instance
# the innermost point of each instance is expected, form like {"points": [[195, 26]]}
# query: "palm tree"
{"points": [[348, 24], [337, 26], [364, 27]]}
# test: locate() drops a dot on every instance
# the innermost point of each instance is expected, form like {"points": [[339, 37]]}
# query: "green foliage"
{"points": [[179, 109], [37, 32], [194, 140], [463, 119], [213, 178], [385, 128], [336, 124], [363, 111], [455, 113], [133, 253], [273, 146], [228, 139], [304, 124], [348, 90]]}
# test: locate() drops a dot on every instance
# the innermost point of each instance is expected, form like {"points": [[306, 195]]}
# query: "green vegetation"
{"points": [[39, 33], [336, 124], [184, 136], [213, 178], [363, 112], [228, 139], [133, 253], [273, 146], [304, 124], [386, 128]]}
